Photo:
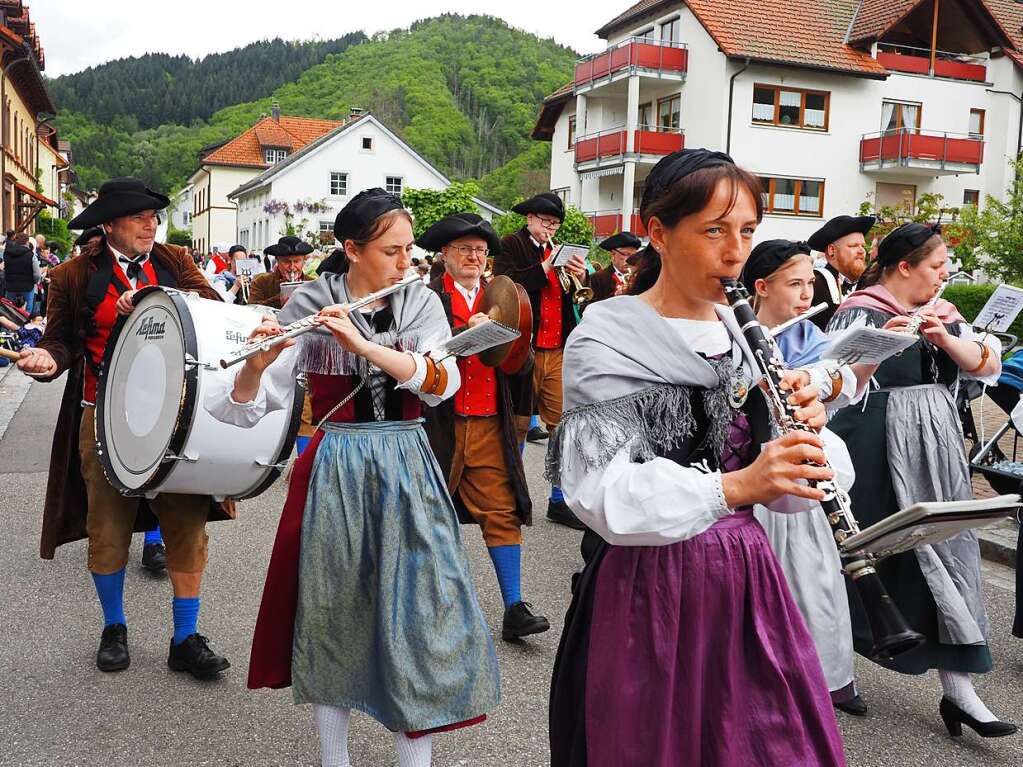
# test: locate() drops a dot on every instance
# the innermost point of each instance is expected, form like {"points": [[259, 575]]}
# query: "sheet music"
{"points": [[475, 340], [867, 345], [250, 266], [287, 288], [1001, 309], [565, 252]]}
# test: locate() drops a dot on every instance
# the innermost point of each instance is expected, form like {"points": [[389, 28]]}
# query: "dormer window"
{"points": [[273, 155]]}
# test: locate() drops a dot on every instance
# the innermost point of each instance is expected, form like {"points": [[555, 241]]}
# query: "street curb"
{"points": [[998, 544]]}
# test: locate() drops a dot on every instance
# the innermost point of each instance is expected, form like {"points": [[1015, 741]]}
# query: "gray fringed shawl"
{"points": [[627, 374], [418, 319]]}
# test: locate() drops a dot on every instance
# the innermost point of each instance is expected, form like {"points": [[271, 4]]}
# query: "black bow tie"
{"points": [[134, 270]]}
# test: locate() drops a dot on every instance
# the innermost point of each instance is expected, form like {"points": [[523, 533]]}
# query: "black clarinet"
{"points": [[892, 634]]}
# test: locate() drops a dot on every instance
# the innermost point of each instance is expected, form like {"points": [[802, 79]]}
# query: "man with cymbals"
{"points": [[87, 296], [612, 280], [842, 241], [473, 434], [526, 256]]}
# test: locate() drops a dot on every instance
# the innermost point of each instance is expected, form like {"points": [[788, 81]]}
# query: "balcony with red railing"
{"points": [[921, 152], [917, 61], [608, 222], [612, 146], [636, 55]]}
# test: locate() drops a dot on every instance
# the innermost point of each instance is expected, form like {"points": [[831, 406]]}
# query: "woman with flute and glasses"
{"points": [[908, 448], [683, 644], [368, 602]]}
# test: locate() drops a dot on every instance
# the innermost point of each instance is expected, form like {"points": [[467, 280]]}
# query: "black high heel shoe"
{"points": [[954, 719]]}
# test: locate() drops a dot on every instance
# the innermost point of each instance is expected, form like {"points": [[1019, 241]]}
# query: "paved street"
{"points": [[57, 709]]}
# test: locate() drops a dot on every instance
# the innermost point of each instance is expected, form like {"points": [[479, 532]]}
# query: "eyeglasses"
{"points": [[548, 223], [466, 250]]}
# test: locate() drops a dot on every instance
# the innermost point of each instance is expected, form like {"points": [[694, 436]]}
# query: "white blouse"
{"points": [[661, 502]]}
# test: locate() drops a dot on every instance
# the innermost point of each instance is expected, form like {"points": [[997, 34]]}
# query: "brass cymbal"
{"points": [[500, 303]]}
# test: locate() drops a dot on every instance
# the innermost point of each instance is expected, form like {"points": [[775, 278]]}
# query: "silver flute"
{"points": [[304, 325], [917, 318]]}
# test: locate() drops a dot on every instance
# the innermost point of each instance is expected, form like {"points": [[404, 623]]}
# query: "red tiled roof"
{"points": [[246, 150], [1009, 15], [551, 111], [875, 17], [807, 33]]}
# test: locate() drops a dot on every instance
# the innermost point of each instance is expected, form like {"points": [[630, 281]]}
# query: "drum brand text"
{"points": [[151, 330], [235, 336]]}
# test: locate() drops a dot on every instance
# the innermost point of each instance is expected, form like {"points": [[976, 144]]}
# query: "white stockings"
{"points": [[332, 722], [959, 689]]}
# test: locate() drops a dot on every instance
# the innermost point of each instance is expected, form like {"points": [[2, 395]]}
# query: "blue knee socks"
{"points": [[110, 590], [556, 495], [153, 536], [301, 443], [186, 616], [507, 564]]}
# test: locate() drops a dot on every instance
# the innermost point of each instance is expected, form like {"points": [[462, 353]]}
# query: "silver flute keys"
{"points": [[304, 325]]}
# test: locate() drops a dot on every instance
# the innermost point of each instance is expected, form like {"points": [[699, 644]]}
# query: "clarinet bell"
{"points": [[892, 634]]}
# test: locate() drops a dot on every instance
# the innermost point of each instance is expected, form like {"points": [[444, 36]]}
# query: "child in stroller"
{"points": [[17, 331]]}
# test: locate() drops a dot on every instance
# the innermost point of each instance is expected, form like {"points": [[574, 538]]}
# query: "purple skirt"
{"points": [[690, 654]]}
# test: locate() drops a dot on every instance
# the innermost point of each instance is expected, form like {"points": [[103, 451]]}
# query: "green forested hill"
{"points": [[159, 88], [464, 91]]}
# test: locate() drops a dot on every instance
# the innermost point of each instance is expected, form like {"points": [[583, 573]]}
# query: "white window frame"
{"points": [[401, 183], [674, 20], [345, 175], [273, 155]]}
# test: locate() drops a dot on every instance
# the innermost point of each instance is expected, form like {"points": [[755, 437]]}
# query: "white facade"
{"points": [[179, 212], [332, 169], [213, 214], [829, 159]]}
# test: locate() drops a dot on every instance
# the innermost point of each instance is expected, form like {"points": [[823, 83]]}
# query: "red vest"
{"points": [[325, 391], [106, 316], [478, 393], [549, 335], [221, 264]]}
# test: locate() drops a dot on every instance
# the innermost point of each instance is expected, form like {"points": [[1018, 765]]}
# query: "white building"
{"points": [[225, 166], [179, 212], [832, 103], [358, 155]]}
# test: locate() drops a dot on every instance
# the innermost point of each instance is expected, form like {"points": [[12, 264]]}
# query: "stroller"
{"points": [[16, 333], [1003, 473]]}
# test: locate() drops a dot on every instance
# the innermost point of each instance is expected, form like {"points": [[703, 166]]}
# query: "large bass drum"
{"points": [[152, 432]]}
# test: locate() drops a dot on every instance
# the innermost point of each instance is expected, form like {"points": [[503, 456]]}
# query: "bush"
{"points": [[970, 299], [55, 230], [179, 237]]}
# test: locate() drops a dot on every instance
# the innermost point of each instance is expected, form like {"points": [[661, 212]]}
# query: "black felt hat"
{"points": [[236, 249], [88, 234], [288, 246], [621, 240], [543, 204], [458, 225], [119, 197], [767, 258], [900, 242], [837, 228]]}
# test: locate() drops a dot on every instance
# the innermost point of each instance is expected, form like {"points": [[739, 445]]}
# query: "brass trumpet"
{"points": [[571, 285]]}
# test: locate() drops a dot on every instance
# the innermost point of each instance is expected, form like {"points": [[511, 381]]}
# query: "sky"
{"points": [[77, 34]]}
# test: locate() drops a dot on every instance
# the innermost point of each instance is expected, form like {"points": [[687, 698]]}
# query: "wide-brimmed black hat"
{"points": [[88, 234], [837, 228], [458, 225], [288, 246], [621, 240], [119, 197], [543, 204]]}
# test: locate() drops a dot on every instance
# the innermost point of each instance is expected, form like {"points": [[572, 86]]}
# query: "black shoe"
{"points": [[558, 511], [154, 557], [954, 719], [854, 706], [113, 648], [195, 656], [519, 621], [536, 434]]}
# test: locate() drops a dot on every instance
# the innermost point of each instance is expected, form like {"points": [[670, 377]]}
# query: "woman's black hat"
{"points": [[902, 241], [767, 258]]}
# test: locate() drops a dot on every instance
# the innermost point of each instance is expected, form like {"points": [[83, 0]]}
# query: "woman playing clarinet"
{"points": [[368, 602], [682, 644], [907, 446]]}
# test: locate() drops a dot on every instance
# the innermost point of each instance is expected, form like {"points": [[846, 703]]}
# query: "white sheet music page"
{"points": [[475, 340], [565, 252], [871, 346], [1001, 309]]}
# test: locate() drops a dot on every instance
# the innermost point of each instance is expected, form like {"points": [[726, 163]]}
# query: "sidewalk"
{"points": [[997, 542]]}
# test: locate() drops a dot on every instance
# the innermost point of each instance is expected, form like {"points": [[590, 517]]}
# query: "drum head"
{"points": [[142, 388]]}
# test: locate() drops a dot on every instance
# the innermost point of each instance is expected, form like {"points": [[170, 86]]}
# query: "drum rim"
{"points": [[179, 435], [287, 445]]}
